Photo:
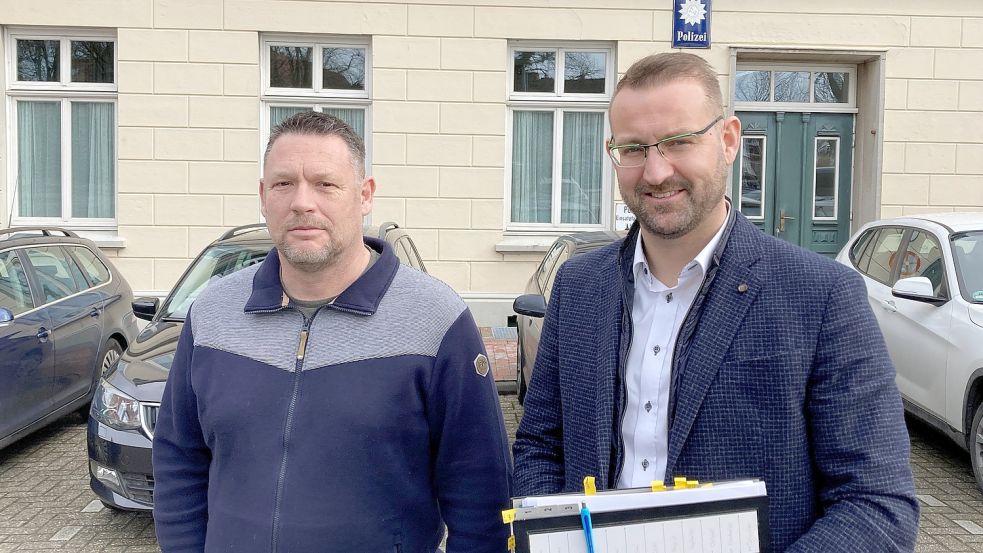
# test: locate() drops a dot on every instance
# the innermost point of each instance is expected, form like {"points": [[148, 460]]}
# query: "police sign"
{"points": [[691, 24]]}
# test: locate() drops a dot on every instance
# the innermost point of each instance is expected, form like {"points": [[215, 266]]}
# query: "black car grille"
{"points": [[148, 418], [139, 487]]}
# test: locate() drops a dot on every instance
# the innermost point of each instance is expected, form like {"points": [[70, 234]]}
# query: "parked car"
{"points": [[924, 277], [65, 315], [531, 306], [124, 412]]}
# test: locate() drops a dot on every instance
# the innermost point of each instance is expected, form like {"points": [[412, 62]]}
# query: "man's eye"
{"points": [[677, 144], [281, 184], [632, 150]]}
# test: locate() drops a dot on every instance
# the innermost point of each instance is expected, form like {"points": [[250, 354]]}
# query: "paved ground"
{"points": [[46, 504]]}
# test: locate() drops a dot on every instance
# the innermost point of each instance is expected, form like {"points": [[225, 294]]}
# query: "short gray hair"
{"points": [[667, 67], [313, 123]]}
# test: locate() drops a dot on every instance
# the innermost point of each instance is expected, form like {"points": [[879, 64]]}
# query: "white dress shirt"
{"points": [[657, 313]]}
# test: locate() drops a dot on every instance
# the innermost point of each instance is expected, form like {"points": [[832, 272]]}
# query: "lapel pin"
{"points": [[742, 287]]}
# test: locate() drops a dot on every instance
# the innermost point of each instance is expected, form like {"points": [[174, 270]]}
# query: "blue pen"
{"points": [[588, 528]]}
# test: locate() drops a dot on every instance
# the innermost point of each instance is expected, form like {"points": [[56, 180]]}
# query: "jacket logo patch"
{"points": [[481, 365]]}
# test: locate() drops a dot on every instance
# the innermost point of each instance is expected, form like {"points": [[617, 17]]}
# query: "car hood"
{"points": [[139, 377]]}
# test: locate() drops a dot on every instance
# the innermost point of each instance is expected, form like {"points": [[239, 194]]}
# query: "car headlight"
{"points": [[114, 408]]}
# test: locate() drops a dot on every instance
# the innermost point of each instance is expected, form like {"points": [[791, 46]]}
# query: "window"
{"points": [[58, 274], [61, 95], [879, 259], [558, 174], [752, 172], [15, 294], [813, 88], [93, 267], [924, 258], [322, 74]]}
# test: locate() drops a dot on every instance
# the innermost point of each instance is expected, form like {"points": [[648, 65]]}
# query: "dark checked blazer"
{"points": [[780, 373]]}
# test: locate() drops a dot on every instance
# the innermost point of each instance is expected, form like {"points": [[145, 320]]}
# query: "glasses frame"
{"points": [[658, 145]]}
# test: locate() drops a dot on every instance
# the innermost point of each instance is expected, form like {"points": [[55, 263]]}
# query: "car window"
{"points": [[546, 267], [213, 264], [860, 246], [58, 275], [93, 267], [15, 294], [923, 257], [968, 250], [884, 254], [560, 259]]}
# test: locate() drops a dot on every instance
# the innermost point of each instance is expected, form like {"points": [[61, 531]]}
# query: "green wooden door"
{"points": [[793, 176]]}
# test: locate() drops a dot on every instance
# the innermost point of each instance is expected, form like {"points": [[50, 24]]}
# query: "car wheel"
{"points": [[976, 445], [110, 353], [520, 381]]}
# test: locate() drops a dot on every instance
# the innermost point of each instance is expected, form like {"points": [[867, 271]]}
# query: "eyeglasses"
{"points": [[673, 148]]}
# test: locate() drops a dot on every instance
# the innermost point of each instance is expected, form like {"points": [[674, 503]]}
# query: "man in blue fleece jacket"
{"points": [[331, 398]]}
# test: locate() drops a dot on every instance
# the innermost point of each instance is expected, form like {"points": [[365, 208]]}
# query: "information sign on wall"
{"points": [[691, 24], [623, 217]]}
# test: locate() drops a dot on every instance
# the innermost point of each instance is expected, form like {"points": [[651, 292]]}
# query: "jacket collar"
{"points": [[362, 297]]}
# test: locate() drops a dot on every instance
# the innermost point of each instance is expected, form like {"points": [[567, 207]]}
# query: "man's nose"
{"points": [[657, 168], [303, 198]]}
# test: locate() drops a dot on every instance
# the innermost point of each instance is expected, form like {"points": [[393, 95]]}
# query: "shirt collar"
{"points": [[702, 259]]}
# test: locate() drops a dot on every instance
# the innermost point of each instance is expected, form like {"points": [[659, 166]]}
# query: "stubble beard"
{"points": [[309, 260], [671, 222]]}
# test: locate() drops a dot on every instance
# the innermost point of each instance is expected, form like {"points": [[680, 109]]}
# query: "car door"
{"points": [[26, 351], [917, 332], [544, 282], [76, 312]]}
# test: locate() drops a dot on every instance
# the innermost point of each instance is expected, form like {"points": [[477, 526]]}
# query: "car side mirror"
{"points": [[917, 289], [6, 315], [530, 305], [145, 308]]}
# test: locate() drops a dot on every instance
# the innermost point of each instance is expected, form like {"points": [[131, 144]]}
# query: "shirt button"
{"points": [[656, 349], [669, 297], [645, 464], [648, 406]]}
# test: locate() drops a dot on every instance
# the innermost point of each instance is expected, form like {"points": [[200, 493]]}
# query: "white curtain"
{"points": [[279, 113], [93, 155], [355, 118], [532, 166], [39, 159], [580, 187]]}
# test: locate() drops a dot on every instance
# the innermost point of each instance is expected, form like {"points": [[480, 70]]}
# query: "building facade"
{"points": [[141, 123]]}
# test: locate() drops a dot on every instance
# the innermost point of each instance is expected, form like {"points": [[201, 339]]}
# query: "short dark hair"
{"points": [[667, 67], [321, 124]]}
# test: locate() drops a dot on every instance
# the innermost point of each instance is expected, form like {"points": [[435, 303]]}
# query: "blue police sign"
{"points": [[691, 24]]}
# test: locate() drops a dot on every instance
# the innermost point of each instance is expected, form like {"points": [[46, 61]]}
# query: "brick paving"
{"points": [[46, 504]]}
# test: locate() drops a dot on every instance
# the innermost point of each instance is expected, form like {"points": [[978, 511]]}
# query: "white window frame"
{"points": [[64, 92], [764, 175], [836, 177], [849, 106], [558, 102], [316, 96]]}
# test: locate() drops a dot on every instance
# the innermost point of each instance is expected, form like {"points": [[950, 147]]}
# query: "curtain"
{"points": [[93, 155], [354, 117], [279, 113], [39, 158], [580, 185], [532, 166]]}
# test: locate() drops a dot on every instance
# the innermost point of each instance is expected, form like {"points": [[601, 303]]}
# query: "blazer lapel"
{"points": [[731, 294]]}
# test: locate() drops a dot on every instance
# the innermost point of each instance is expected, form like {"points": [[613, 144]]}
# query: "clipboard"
{"points": [[727, 517]]}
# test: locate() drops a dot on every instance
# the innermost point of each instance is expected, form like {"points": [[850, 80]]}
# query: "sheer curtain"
{"points": [[532, 166], [93, 152], [354, 117], [580, 187], [279, 113], [39, 159]]}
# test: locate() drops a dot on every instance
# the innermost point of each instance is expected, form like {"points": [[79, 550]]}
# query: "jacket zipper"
{"points": [[278, 499]]}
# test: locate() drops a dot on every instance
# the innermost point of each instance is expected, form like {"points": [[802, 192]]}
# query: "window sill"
{"points": [[526, 244], [108, 239]]}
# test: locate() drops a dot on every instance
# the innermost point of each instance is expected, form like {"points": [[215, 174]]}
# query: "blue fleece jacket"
{"points": [[364, 429]]}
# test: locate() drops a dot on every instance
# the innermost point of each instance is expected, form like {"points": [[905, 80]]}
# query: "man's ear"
{"points": [[731, 138], [262, 198], [368, 194]]}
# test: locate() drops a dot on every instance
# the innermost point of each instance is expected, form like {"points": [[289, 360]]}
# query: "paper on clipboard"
{"points": [[636, 498]]}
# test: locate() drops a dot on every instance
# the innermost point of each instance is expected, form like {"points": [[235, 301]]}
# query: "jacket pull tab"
{"points": [[302, 346]]}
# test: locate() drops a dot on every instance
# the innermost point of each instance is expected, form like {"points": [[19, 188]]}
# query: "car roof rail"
{"points": [[242, 229], [45, 231], [385, 228]]}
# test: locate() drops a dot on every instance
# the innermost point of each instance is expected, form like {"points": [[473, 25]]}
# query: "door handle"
{"points": [[890, 305], [94, 313], [43, 335], [781, 220]]}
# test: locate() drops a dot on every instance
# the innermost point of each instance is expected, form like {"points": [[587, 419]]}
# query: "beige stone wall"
{"points": [[189, 106]]}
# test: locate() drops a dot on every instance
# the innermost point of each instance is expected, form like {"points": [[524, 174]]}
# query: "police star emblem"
{"points": [[481, 365]]}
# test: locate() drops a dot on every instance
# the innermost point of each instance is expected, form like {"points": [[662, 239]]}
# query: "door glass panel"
{"points": [[827, 159], [290, 66], [546, 267], [583, 72], [37, 60], [752, 176], [92, 61], [560, 260], [15, 294], [97, 272], [791, 86], [753, 86], [832, 87], [55, 272], [534, 71], [924, 259], [884, 255]]}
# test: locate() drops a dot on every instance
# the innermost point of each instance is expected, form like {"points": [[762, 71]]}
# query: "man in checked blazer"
{"points": [[698, 346]]}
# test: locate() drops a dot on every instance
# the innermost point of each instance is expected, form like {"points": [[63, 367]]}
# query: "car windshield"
{"points": [[968, 248], [212, 264]]}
